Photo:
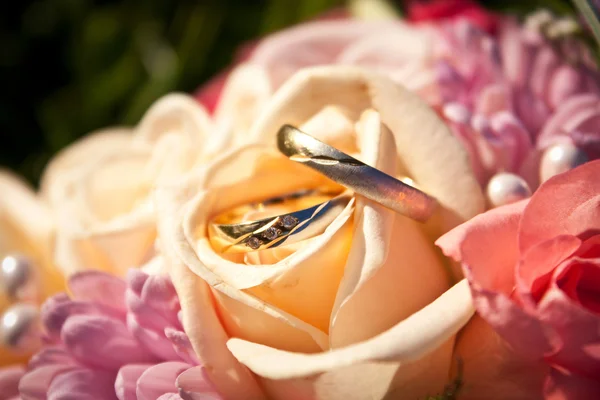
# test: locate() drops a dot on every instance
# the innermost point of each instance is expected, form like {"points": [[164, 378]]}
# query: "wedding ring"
{"points": [[355, 175], [276, 230]]}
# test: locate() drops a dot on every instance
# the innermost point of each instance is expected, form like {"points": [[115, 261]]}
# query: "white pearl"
{"points": [[505, 188], [560, 158], [18, 277], [20, 328]]}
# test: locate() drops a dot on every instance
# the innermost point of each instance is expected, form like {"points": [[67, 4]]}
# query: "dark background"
{"points": [[68, 67]]}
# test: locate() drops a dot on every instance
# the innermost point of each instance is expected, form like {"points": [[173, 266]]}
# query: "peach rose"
{"points": [[365, 310], [534, 271], [99, 187], [26, 229]]}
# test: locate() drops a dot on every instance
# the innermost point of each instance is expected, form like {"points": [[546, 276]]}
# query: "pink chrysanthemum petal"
{"points": [[136, 280], [182, 345], [82, 384], [102, 342], [9, 380], [53, 355], [194, 384], [56, 311], [159, 379], [35, 383], [155, 341], [126, 381], [98, 287], [146, 315]]}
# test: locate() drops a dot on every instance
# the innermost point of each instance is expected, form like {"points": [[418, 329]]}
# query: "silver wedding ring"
{"points": [[355, 175]]}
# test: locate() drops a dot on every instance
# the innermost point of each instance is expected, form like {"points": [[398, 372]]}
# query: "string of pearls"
{"points": [[505, 188], [19, 322]]}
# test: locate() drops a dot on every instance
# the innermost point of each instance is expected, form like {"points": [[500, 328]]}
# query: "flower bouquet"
{"points": [[364, 206]]}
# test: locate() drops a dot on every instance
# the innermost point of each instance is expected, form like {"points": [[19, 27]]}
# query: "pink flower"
{"points": [[115, 340], [434, 10], [577, 121], [498, 92], [534, 271]]}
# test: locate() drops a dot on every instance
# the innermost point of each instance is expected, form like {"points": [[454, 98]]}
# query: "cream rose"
{"points": [[368, 309], [100, 187]]}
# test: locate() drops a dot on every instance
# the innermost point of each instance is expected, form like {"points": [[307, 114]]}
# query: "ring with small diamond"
{"points": [[277, 230]]}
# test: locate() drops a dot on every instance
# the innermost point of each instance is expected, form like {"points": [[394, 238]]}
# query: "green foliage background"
{"points": [[68, 67]]}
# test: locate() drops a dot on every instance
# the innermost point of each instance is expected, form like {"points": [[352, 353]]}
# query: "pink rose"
{"points": [[534, 271]]}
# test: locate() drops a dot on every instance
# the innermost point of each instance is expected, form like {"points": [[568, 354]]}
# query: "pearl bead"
{"points": [[20, 328], [560, 158], [18, 277], [505, 188]]}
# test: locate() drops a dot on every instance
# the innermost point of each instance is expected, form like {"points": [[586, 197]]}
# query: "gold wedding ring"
{"points": [[273, 231], [355, 175]]}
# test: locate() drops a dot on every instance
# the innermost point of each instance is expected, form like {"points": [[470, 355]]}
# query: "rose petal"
{"points": [[578, 330], [243, 97], [175, 113], [126, 381], [579, 279], [385, 361], [83, 384], [487, 244], [372, 269], [206, 333], [573, 197], [564, 386], [93, 146], [102, 342], [159, 379], [491, 370], [536, 266]]}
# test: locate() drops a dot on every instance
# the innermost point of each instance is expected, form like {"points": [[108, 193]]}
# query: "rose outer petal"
{"points": [[563, 386], [535, 268], [566, 204], [487, 244], [578, 330]]}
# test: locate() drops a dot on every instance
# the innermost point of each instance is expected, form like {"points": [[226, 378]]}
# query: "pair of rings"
{"points": [[310, 221]]}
